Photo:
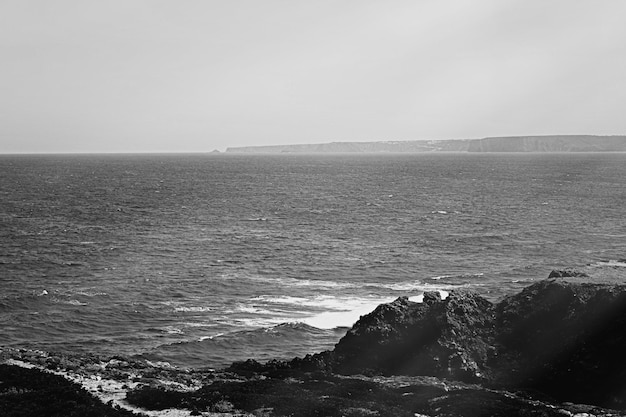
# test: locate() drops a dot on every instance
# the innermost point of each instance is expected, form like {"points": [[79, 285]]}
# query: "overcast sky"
{"points": [[196, 75]]}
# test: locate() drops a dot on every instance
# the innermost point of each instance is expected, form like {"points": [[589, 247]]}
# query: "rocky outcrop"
{"points": [[563, 339], [448, 339], [566, 273]]}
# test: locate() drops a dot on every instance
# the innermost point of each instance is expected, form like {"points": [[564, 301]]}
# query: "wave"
{"points": [[418, 285], [281, 341], [270, 335], [332, 312], [193, 309], [303, 282], [615, 263], [409, 285], [37, 299]]}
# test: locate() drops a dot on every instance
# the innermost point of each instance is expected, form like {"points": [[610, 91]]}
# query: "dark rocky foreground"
{"points": [[546, 351]]}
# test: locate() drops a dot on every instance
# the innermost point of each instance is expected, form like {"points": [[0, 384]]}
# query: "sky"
{"points": [[198, 75]]}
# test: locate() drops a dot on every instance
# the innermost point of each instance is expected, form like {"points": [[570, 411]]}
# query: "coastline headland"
{"points": [[554, 349], [548, 143]]}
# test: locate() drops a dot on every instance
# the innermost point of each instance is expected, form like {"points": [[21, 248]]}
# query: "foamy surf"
{"points": [[352, 310], [621, 263], [345, 317]]}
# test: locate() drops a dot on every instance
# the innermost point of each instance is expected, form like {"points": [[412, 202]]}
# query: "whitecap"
{"points": [[193, 309], [171, 330], [91, 293], [254, 310], [417, 285], [345, 318], [417, 298], [75, 303], [621, 263], [296, 282], [344, 312], [203, 338], [438, 277]]}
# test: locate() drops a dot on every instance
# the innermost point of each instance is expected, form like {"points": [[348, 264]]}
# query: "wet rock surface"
{"points": [[543, 352]]}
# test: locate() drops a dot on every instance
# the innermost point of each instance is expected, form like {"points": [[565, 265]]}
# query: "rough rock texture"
{"points": [[357, 396], [566, 273], [31, 392], [567, 340], [445, 338]]}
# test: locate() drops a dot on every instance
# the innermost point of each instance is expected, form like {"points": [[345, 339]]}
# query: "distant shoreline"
{"points": [[523, 144]]}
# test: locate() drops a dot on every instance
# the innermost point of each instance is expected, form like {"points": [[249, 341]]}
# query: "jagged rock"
{"points": [[448, 338], [561, 338], [566, 274]]}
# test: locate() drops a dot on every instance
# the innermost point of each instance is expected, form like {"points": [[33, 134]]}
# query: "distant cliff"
{"points": [[415, 146], [556, 143], [569, 143]]}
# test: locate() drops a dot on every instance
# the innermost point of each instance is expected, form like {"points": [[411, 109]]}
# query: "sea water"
{"points": [[199, 260]]}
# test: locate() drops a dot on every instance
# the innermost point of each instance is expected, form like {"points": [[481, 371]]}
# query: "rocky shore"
{"points": [[554, 349]]}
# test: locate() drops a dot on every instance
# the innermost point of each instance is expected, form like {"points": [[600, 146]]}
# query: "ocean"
{"points": [[202, 259]]}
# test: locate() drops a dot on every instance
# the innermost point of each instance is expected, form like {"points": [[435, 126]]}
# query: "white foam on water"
{"points": [[193, 309], [281, 299], [171, 330], [256, 310], [354, 309], [76, 303], [295, 282], [349, 311], [203, 338], [438, 277], [612, 263], [410, 286], [417, 298], [252, 323]]}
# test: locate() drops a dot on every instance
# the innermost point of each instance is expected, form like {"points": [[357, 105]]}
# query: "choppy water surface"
{"points": [[203, 259]]}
